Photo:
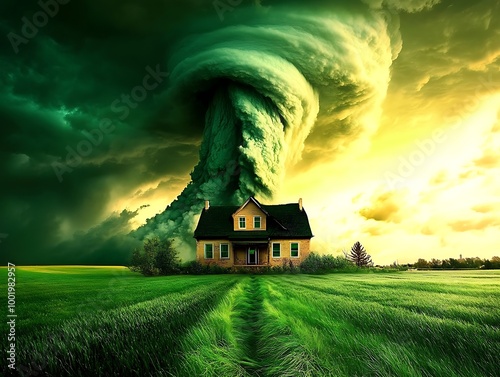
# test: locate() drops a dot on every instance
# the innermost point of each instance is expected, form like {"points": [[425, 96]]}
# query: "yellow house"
{"points": [[253, 234]]}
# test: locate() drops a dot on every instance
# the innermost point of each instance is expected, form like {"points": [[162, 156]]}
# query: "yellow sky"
{"points": [[426, 182], [432, 195]]}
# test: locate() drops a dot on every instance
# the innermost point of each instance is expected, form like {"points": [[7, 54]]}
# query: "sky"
{"points": [[120, 117]]}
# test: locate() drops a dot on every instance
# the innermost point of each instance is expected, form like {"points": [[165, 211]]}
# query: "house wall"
{"points": [[200, 253], [263, 255], [249, 212], [304, 250], [238, 254]]}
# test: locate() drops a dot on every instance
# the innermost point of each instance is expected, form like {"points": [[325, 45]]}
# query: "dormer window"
{"points": [[256, 222], [242, 223], [251, 216]]}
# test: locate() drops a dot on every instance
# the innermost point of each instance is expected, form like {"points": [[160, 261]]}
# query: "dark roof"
{"points": [[284, 221]]}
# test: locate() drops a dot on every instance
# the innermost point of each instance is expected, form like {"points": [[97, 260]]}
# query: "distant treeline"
{"points": [[452, 264]]}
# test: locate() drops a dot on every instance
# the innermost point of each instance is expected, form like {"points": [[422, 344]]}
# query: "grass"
{"points": [[76, 321], [375, 326], [108, 321]]}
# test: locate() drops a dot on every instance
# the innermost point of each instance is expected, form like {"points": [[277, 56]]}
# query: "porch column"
{"points": [[268, 251]]}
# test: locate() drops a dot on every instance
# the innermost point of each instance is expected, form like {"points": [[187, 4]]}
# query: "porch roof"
{"points": [[246, 243]]}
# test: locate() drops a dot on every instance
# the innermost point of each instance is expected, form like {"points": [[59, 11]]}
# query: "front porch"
{"points": [[250, 266], [251, 254]]}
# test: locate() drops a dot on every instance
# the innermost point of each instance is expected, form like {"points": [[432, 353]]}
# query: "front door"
{"points": [[252, 255]]}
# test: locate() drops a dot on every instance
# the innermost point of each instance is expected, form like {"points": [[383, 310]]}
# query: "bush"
{"points": [[313, 264], [156, 258], [216, 269], [288, 266], [336, 263], [194, 268], [277, 269], [322, 264]]}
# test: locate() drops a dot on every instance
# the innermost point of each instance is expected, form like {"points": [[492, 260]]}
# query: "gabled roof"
{"points": [[261, 207], [283, 221], [254, 201]]}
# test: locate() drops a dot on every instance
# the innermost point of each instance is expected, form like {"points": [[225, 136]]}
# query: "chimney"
{"points": [[300, 204], [207, 205]]}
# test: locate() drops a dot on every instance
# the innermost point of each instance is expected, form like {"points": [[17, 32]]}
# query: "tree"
{"points": [[494, 263], [435, 263], [136, 261], [422, 263], [167, 259], [454, 263], [157, 257], [359, 256]]}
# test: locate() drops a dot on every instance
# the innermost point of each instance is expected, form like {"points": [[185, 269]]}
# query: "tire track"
{"points": [[250, 312]]}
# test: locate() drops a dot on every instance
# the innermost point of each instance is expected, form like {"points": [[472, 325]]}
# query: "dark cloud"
{"points": [[164, 185], [384, 207], [490, 159], [107, 243], [263, 81], [471, 225], [484, 208], [373, 230], [56, 92], [433, 53], [59, 88]]}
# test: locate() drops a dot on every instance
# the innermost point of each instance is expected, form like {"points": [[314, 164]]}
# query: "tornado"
{"points": [[266, 80]]}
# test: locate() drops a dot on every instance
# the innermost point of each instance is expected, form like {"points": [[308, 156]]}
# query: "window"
{"points": [[276, 250], [294, 249], [256, 222], [209, 251], [243, 223], [224, 251]]}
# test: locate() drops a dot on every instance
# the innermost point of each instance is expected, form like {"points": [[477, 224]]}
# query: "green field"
{"points": [[108, 321]]}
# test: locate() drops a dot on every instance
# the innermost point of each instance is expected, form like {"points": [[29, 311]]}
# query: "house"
{"points": [[253, 234]]}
